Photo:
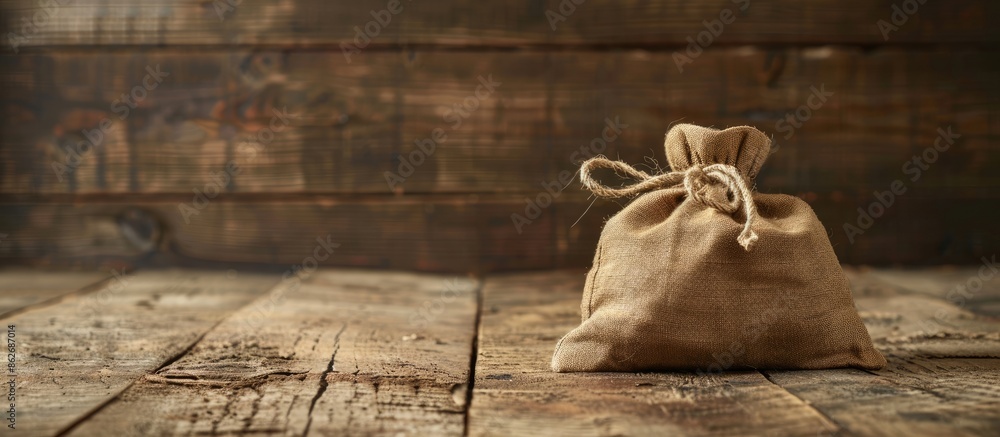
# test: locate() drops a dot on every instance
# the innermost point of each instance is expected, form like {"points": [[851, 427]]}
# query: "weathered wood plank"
{"points": [[502, 23], [352, 127], [943, 376], [437, 233], [344, 353], [917, 230], [515, 393], [457, 233], [22, 287], [81, 235], [928, 327], [913, 396], [74, 356], [976, 289], [910, 323]]}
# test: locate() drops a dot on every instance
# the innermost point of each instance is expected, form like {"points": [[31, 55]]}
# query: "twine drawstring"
{"points": [[698, 180]]}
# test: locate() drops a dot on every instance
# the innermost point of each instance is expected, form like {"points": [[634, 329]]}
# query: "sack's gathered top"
{"points": [[702, 272]]}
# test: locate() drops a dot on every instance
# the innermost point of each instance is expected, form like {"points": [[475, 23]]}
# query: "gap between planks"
{"points": [[516, 392], [97, 409], [94, 353], [234, 381], [805, 401], [471, 384], [69, 428], [866, 287]]}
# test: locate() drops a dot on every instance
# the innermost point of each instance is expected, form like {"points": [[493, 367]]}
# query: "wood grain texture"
{"points": [[438, 233], [912, 396], [76, 234], [976, 289], [342, 353], [943, 376], [504, 23], [353, 127], [80, 353], [516, 394], [22, 287], [350, 123], [917, 230], [353, 119], [909, 322], [381, 353], [453, 233], [928, 327]]}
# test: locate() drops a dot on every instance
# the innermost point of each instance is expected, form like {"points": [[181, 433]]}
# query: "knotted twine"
{"points": [[698, 180]]}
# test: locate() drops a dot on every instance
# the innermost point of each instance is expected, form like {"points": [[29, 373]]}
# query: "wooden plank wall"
{"points": [[331, 122]]}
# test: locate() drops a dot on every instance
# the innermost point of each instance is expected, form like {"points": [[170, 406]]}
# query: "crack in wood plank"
{"points": [[92, 357], [229, 380], [381, 372], [323, 383]]}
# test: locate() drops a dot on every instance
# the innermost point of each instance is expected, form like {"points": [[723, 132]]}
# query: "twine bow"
{"points": [[704, 184]]}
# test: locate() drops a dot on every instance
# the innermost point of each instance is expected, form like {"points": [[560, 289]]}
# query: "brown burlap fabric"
{"points": [[700, 272]]}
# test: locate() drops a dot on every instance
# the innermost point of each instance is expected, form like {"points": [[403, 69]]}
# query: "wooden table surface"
{"points": [[348, 352]]}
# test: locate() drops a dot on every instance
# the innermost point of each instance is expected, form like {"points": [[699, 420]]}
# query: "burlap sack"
{"points": [[700, 272]]}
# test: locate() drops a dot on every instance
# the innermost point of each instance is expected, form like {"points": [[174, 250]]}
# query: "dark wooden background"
{"points": [[324, 174]]}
